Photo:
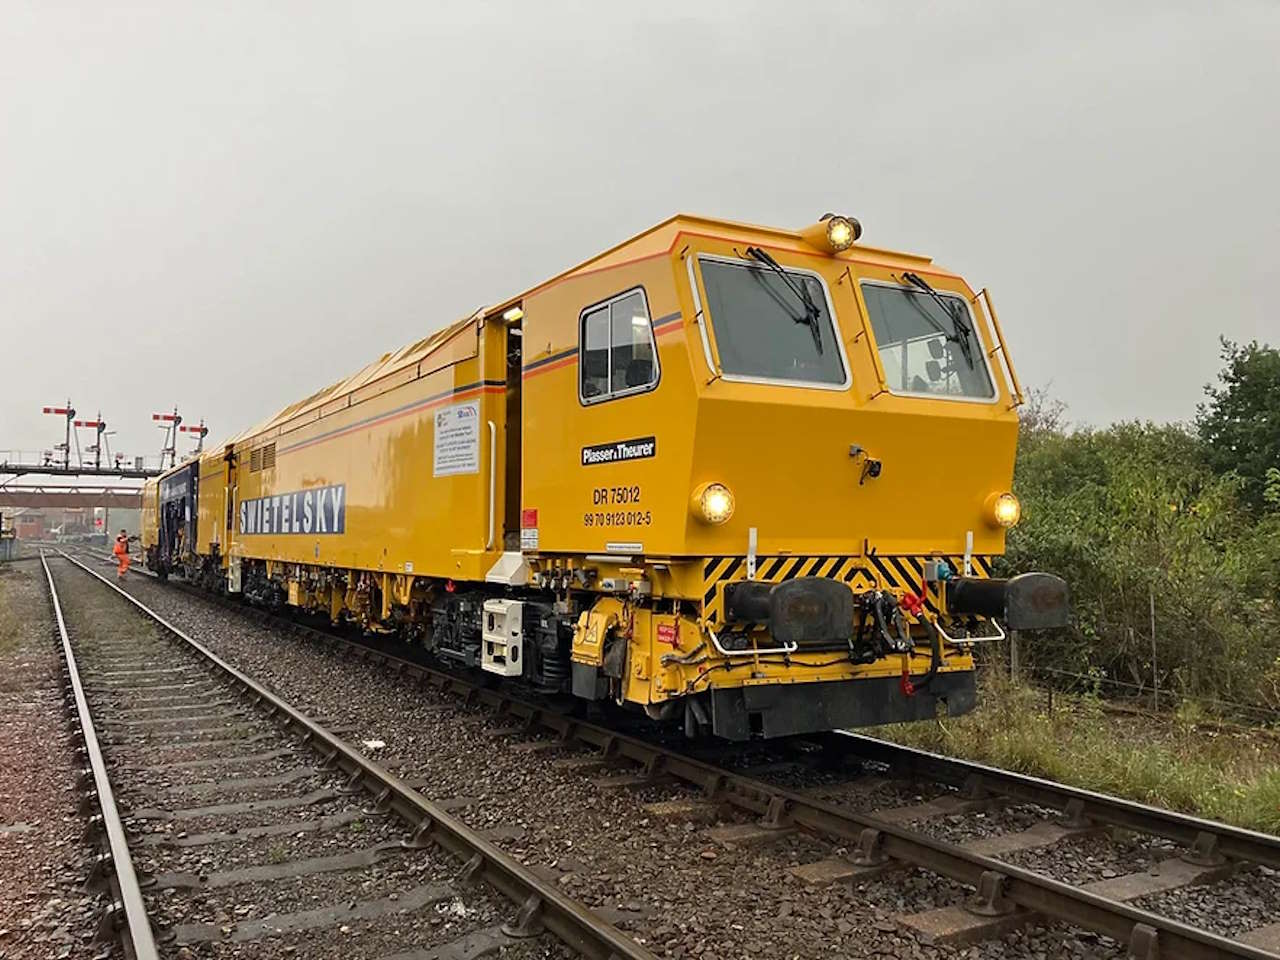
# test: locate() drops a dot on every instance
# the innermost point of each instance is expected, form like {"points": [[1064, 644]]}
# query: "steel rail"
{"points": [[1234, 842], [125, 887], [1031, 891], [1028, 890], [541, 904]]}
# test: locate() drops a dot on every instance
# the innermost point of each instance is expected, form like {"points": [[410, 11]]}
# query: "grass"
{"points": [[9, 613], [1177, 762]]}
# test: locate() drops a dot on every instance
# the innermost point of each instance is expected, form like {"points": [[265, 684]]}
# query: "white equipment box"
{"points": [[503, 637]]}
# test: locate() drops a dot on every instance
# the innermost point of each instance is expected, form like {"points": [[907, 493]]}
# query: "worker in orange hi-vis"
{"points": [[121, 550]]}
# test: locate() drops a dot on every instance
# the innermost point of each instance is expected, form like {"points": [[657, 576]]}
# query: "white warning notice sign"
{"points": [[529, 528], [457, 444]]}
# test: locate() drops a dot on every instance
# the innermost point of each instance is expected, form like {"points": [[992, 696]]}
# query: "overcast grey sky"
{"points": [[227, 205]]}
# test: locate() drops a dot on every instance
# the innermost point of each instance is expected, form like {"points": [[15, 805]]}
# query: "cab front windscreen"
{"points": [[928, 347], [769, 329]]}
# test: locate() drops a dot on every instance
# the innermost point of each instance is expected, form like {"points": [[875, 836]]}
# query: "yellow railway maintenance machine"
{"points": [[748, 478]]}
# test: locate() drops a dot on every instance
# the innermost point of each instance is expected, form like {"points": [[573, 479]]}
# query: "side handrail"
{"points": [[1003, 350], [785, 648], [493, 480]]}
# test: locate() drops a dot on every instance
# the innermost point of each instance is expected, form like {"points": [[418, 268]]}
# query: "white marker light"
{"points": [[713, 503], [1004, 510]]}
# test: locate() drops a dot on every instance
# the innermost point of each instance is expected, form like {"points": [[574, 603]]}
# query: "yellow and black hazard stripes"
{"points": [[778, 569], [905, 573], [861, 573]]}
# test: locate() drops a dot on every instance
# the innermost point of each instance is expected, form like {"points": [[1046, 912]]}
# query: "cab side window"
{"points": [[616, 353]]}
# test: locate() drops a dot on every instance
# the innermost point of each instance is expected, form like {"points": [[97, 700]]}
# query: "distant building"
{"points": [[24, 523]]}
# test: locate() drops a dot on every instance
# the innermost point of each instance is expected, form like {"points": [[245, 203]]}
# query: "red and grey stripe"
{"points": [[564, 358]]}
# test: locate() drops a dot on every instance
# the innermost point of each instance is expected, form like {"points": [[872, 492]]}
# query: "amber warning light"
{"points": [[833, 233]]}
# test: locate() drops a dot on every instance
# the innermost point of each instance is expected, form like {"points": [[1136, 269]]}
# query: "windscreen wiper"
{"points": [[812, 315], [963, 332]]}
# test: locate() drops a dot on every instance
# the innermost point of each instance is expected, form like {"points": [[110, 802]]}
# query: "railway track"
{"points": [[871, 839], [233, 824]]}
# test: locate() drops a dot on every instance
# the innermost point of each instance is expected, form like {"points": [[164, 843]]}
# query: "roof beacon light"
{"points": [[832, 233]]}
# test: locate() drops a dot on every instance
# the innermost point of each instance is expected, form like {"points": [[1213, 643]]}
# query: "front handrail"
{"points": [[970, 641], [1003, 350], [882, 381]]}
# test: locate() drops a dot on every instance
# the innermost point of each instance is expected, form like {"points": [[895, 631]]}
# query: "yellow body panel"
{"points": [[211, 511], [377, 443], [149, 533]]}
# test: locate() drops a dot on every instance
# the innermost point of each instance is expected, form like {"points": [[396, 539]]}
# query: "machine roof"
{"points": [[655, 239]]}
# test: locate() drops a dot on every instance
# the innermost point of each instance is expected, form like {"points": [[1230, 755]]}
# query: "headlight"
{"points": [[712, 503], [1004, 510]]}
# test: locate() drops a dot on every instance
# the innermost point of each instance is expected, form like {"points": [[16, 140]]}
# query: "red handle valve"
{"points": [[908, 688]]}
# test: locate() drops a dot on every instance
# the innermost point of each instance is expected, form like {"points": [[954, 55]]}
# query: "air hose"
{"points": [[890, 634], [935, 661], [914, 605]]}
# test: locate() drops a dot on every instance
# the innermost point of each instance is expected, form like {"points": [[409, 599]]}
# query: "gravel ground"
{"points": [[669, 882], [213, 910], [44, 910], [874, 795], [1089, 857], [1249, 899], [794, 765], [979, 824]]}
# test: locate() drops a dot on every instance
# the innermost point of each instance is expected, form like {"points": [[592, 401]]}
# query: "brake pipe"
{"points": [[913, 605], [935, 659]]}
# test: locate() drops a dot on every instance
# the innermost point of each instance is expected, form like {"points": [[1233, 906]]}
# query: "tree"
{"points": [[1240, 423], [1041, 414]]}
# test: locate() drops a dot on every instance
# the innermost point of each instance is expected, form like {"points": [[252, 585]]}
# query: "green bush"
{"points": [[1136, 516]]}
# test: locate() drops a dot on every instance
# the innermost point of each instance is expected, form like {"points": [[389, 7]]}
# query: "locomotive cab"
{"points": [[845, 433], [780, 456]]}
